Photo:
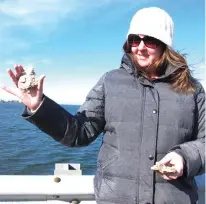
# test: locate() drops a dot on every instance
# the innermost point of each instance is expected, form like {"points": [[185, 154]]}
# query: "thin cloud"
{"points": [[27, 62], [69, 91], [38, 18], [40, 12], [12, 44], [41, 17], [33, 15]]}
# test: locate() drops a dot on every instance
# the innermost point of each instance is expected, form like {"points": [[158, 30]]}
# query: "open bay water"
{"points": [[25, 150]]}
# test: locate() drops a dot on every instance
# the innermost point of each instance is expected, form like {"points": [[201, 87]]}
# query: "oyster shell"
{"points": [[27, 79], [163, 168]]}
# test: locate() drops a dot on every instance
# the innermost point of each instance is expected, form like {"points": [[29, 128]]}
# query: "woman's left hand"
{"points": [[173, 159]]}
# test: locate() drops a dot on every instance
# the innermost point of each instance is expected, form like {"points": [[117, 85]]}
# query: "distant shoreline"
{"points": [[10, 101], [16, 101]]}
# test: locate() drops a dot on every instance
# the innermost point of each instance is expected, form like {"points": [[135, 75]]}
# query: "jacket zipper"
{"points": [[141, 134]]}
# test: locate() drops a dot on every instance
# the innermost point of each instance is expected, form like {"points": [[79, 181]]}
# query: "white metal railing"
{"points": [[66, 185], [66, 188]]}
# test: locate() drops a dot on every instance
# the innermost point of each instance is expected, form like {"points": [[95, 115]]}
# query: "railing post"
{"points": [[67, 169]]}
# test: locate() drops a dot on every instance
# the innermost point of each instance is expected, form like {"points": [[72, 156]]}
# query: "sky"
{"points": [[74, 42]]}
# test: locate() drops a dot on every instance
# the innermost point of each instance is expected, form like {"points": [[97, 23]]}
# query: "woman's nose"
{"points": [[141, 46]]}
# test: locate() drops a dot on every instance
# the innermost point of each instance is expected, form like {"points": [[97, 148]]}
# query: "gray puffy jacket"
{"points": [[142, 121]]}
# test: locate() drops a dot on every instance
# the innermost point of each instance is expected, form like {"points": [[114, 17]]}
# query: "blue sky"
{"points": [[73, 42]]}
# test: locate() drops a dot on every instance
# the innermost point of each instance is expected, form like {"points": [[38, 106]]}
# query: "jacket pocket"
{"points": [[104, 163], [98, 179]]}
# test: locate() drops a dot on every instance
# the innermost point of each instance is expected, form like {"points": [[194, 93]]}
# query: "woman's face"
{"points": [[146, 50]]}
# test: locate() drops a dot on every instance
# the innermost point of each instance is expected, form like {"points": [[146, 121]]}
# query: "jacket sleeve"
{"points": [[193, 151], [71, 130]]}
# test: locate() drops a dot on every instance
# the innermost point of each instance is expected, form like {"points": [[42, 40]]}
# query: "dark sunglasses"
{"points": [[150, 42]]}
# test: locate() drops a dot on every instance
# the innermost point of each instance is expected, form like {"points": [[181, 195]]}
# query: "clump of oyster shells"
{"points": [[163, 168], [27, 79]]}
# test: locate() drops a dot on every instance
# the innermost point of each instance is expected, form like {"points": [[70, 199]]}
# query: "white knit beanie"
{"points": [[153, 22]]}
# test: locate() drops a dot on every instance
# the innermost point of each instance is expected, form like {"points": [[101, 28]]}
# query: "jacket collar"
{"points": [[130, 67], [128, 64]]}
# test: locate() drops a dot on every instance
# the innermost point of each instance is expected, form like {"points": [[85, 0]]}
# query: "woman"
{"points": [[150, 109]]}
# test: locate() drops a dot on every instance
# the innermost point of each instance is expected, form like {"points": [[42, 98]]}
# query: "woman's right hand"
{"points": [[32, 98]]}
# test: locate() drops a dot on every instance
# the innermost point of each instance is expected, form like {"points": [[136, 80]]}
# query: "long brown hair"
{"points": [[181, 80]]}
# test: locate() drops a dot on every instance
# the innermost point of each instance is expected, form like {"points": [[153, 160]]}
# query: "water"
{"points": [[25, 150]]}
